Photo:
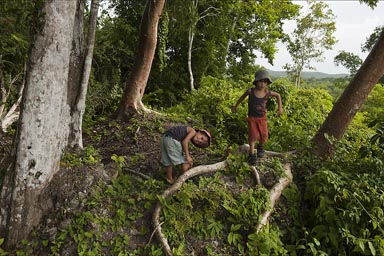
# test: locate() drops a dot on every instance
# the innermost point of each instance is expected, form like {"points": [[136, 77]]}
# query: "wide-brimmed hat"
{"points": [[206, 133], [262, 74]]}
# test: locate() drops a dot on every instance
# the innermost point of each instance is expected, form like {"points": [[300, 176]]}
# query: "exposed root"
{"points": [[275, 192], [256, 173], [146, 177], [198, 170]]}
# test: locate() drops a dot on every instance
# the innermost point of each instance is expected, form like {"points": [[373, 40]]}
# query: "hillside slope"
{"points": [[307, 74], [103, 196]]}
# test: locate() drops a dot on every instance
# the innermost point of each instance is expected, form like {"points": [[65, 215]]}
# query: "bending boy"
{"points": [[174, 147]]}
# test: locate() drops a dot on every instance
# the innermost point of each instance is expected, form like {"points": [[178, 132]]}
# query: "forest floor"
{"points": [[138, 143]]}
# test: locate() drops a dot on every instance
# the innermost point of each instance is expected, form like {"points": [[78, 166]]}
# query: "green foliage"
{"points": [[266, 242], [372, 39], [345, 199], [94, 232], [101, 101], [215, 117], [14, 42], [349, 60], [249, 33], [162, 40], [14, 35], [89, 155], [334, 86], [334, 207], [304, 112], [372, 108]]}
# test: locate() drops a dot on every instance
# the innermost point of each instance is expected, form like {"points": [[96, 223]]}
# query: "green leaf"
{"points": [[361, 245], [371, 248]]}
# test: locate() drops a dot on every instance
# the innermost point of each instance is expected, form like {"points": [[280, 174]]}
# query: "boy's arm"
{"points": [[184, 143], [279, 103], [242, 97]]}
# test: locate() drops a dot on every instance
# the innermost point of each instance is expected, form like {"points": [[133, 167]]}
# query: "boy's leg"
{"points": [[169, 174], [251, 147], [260, 150], [263, 129], [252, 156], [252, 138]]}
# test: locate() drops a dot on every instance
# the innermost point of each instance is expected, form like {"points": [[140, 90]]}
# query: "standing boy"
{"points": [[257, 113], [174, 147]]}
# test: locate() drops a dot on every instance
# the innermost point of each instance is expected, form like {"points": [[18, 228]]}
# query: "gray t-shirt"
{"points": [[177, 132]]}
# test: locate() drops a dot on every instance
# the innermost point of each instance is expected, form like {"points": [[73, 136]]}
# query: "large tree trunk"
{"points": [[43, 128], [135, 87], [76, 138], [351, 100]]}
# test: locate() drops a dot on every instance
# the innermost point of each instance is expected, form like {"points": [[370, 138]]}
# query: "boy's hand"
{"points": [[234, 109], [190, 161], [279, 111]]}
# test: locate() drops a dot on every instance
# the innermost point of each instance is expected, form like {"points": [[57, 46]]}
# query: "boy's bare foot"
{"points": [[170, 180]]}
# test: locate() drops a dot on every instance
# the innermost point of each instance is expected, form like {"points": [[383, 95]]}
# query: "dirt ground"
{"points": [[72, 184]]}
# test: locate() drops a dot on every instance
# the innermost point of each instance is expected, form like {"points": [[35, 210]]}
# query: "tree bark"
{"points": [[43, 126], [76, 138], [191, 35], [131, 102], [351, 100]]}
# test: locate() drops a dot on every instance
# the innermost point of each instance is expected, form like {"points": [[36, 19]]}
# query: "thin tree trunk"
{"points": [[43, 126], [191, 36], [76, 138], [351, 100], [131, 102]]}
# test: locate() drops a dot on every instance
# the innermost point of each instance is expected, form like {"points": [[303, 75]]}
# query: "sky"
{"points": [[354, 23]]}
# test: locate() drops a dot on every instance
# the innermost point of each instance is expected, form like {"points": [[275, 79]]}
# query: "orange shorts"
{"points": [[257, 129]]}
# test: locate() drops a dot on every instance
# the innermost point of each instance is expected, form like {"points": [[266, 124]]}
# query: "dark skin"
{"points": [[199, 139]]}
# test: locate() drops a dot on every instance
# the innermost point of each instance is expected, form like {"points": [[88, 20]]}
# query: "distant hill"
{"points": [[307, 74]]}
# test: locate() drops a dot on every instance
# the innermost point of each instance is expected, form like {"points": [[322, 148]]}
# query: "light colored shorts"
{"points": [[171, 151]]}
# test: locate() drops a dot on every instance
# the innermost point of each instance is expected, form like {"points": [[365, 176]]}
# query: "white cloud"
{"points": [[354, 23]]}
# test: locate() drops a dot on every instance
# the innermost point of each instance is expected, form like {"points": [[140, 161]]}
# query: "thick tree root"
{"points": [[275, 192], [274, 195]]}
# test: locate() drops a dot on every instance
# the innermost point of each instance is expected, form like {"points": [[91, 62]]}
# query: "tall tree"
{"points": [[45, 116], [349, 103], [192, 14], [131, 102], [313, 35], [195, 17], [229, 40], [76, 138], [252, 28]]}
